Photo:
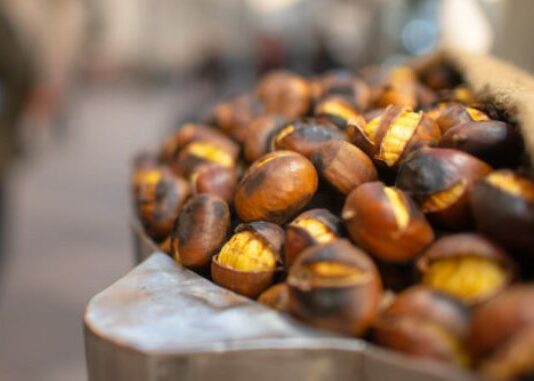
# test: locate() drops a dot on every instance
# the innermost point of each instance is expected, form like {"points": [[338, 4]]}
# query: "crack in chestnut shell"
{"points": [[342, 83], [258, 138], [348, 309], [455, 114], [275, 187], [272, 234], [371, 223], [200, 230], [298, 238]]}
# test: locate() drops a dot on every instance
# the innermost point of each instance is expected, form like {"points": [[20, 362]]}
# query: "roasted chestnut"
{"points": [[200, 231], [246, 263], [425, 323], [285, 93], [234, 116], [467, 266], [440, 180], [335, 286], [276, 297], [275, 187], [343, 165], [305, 136], [441, 77], [386, 222], [312, 227], [342, 83], [191, 132], [258, 139], [456, 113], [214, 179], [198, 153], [503, 207], [159, 198], [335, 109], [460, 94], [400, 88], [389, 137]]}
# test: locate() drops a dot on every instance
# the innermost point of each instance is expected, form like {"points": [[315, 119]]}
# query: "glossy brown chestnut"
{"points": [[305, 136], [386, 223], [335, 286], [400, 88], [258, 139], [246, 263], [342, 83], [389, 137], [314, 226], [336, 109], [490, 140], [159, 198], [285, 93], [425, 323], [455, 114], [235, 115], [276, 297], [275, 187], [440, 180], [503, 207], [467, 266], [343, 165], [215, 179], [199, 153], [200, 231], [191, 132]]}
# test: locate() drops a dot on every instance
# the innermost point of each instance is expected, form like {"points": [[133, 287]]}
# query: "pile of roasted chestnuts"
{"points": [[388, 204]]}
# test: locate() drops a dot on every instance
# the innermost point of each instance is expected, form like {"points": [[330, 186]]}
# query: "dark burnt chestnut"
{"points": [[503, 207], [399, 88], [342, 83], [276, 297], [467, 266], [440, 180], [335, 109], [275, 187], [455, 114], [335, 286], [305, 136], [343, 165], [160, 196], [214, 179], [198, 153], [285, 93], [386, 222], [200, 231], [191, 132], [312, 227], [258, 139], [425, 323], [389, 137], [246, 263], [234, 116]]}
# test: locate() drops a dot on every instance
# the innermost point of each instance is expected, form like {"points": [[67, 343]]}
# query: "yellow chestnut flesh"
{"points": [[246, 251], [512, 184], [444, 199], [317, 229], [401, 130], [465, 277], [400, 209], [211, 152]]}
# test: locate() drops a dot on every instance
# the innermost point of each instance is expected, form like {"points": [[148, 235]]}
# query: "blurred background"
{"points": [[86, 84]]}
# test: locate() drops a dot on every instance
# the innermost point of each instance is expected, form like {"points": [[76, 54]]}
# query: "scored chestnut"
{"points": [[312, 227], [386, 223], [258, 138], [335, 286], [235, 115], [275, 187], [276, 297], [389, 137], [305, 136], [342, 83], [467, 266], [503, 207], [200, 231], [336, 109], [246, 263], [425, 323], [198, 153], [440, 180], [214, 179], [399, 88], [285, 93], [343, 165], [455, 114]]}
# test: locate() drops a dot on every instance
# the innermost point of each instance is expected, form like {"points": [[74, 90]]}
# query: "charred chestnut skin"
{"points": [[258, 138], [215, 179], [336, 109], [159, 197], [299, 236], [425, 323], [503, 208], [374, 222], [200, 231], [428, 173], [234, 116], [346, 303], [455, 114], [343, 165], [470, 245], [285, 93], [250, 283], [189, 159], [275, 187], [276, 297], [305, 136]]}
